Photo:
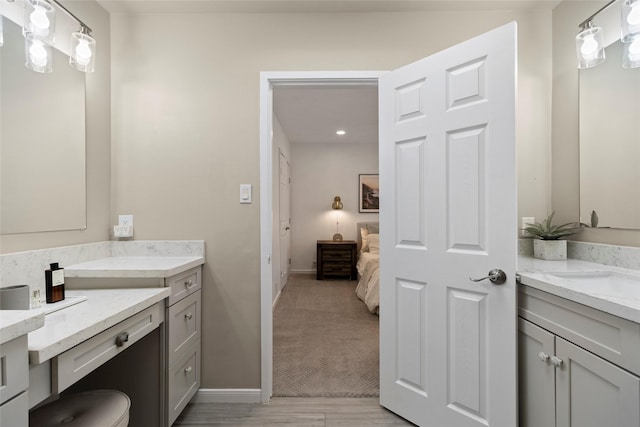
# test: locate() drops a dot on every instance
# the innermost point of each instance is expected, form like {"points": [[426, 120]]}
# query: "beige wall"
{"points": [[319, 172], [98, 146], [185, 132], [565, 171]]}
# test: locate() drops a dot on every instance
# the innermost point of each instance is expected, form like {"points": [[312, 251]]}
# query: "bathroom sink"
{"points": [[602, 282]]}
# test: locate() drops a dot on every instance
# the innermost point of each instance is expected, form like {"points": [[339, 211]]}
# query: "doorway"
{"points": [[269, 80]]}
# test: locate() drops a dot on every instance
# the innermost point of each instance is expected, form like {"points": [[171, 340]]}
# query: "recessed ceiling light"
{"points": [[341, 132]]}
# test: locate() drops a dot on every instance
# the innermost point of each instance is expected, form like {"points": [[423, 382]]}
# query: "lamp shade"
{"points": [[83, 52], [40, 20], [38, 55], [631, 53], [630, 20], [337, 203], [590, 47]]}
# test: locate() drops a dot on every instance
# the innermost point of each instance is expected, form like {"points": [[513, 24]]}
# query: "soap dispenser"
{"points": [[54, 283]]}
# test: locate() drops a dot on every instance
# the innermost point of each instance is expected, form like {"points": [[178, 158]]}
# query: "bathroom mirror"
{"points": [[610, 142], [42, 142]]}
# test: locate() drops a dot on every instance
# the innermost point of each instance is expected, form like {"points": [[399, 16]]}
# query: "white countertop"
{"points": [[103, 308], [620, 299], [133, 267], [15, 323]]}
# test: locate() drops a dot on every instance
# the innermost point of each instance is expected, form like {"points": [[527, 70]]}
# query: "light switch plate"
{"points": [[526, 220], [245, 193]]}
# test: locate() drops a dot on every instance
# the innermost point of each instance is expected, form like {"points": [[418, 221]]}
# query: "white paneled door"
{"points": [[448, 214], [285, 220]]}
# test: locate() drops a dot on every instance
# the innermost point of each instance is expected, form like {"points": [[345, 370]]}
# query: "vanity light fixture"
{"points": [[341, 132], [1, 33], [83, 48], [589, 46], [39, 32], [590, 40]]}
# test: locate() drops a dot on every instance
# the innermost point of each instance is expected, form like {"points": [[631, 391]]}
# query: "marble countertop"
{"points": [[103, 308], [15, 323], [618, 297], [133, 267]]}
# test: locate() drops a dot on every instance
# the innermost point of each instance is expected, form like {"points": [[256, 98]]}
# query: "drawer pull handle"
{"points": [[556, 361], [188, 370], [188, 283], [188, 316], [122, 338], [543, 356]]}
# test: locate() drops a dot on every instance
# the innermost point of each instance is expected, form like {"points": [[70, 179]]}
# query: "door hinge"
{"points": [[289, 261]]}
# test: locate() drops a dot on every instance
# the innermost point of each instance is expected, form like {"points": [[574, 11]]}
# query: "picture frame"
{"points": [[369, 193]]}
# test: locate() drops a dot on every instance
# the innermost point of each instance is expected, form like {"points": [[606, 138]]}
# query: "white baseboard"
{"points": [[304, 271], [227, 395]]}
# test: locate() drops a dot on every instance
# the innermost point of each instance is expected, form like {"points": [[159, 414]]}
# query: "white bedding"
{"points": [[368, 289]]}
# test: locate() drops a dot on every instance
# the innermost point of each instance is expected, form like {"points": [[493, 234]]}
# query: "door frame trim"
{"points": [[267, 81]]}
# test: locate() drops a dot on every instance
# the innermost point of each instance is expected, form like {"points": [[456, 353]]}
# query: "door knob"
{"points": [[497, 277]]}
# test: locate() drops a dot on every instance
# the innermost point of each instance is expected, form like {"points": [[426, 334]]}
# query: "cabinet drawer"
{"points": [[184, 381], [15, 413], [14, 368], [184, 284], [610, 337], [77, 362], [337, 255], [183, 321]]}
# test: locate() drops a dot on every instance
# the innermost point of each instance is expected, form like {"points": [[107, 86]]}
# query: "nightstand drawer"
{"points": [[336, 259]]}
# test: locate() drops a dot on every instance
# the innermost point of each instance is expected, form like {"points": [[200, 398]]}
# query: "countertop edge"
{"points": [[38, 355], [24, 322], [138, 273]]}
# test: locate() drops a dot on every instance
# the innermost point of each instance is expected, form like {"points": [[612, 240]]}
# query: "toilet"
{"points": [[95, 408]]}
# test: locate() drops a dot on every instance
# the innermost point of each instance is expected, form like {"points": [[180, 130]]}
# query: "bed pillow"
{"points": [[373, 240], [364, 233]]}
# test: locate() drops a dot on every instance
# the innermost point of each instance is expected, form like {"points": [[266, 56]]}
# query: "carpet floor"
{"points": [[325, 341]]}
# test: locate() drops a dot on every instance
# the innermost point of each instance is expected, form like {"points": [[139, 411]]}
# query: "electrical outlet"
{"points": [[122, 231], [526, 220], [125, 220]]}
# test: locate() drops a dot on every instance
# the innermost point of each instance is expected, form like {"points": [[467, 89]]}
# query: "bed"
{"points": [[368, 289]]}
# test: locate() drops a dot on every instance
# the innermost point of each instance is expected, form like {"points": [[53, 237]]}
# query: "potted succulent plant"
{"points": [[547, 244]]}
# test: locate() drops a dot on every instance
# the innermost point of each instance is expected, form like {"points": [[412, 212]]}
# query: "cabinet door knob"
{"points": [[556, 361], [122, 338], [543, 356], [188, 316], [188, 370], [188, 283]]}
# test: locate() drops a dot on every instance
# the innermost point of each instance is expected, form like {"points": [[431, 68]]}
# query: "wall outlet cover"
{"points": [[125, 220]]}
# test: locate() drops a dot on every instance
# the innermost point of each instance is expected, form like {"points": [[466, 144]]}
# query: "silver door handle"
{"points": [[497, 277]]}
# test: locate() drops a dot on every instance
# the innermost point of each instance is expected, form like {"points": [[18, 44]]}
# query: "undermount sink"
{"points": [[603, 281]]}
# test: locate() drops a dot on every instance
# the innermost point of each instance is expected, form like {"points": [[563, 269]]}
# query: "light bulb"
{"points": [[38, 54], [634, 50], [39, 18], [634, 16], [589, 46], [83, 53]]}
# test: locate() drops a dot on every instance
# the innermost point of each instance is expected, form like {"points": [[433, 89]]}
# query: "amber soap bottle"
{"points": [[54, 283]]}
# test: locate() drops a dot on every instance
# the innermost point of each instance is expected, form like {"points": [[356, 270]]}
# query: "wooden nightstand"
{"points": [[336, 259]]}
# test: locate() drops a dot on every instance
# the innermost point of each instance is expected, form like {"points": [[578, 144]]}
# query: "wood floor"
{"points": [[292, 411]]}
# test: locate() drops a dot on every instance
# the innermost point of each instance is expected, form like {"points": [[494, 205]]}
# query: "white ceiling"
{"points": [[313, 114], [306, 6]]}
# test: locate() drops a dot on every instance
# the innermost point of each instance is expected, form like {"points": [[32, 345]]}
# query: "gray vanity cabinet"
{"points": [[564, 384]]}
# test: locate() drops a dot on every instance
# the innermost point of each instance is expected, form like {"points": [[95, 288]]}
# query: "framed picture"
{"points": [[369, 193]]}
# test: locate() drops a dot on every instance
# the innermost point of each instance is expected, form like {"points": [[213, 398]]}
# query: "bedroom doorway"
{"points": [[270, 80]]}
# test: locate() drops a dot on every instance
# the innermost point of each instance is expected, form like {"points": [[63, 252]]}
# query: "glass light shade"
{"points": [[337, 203], [83, 52], [38, 55], [631, 53], [40, 20], [630, 20], [590, 47]]}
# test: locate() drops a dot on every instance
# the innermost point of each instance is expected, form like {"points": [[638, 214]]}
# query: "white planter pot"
{"points": [[551, 250]]}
